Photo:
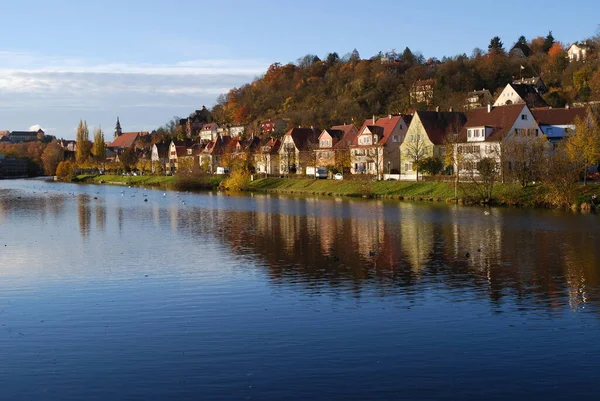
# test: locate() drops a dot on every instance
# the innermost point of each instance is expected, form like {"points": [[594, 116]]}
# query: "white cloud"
{"points": [[57, 91]]}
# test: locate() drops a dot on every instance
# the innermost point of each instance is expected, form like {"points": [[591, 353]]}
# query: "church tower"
{"points": [[118, 130]]}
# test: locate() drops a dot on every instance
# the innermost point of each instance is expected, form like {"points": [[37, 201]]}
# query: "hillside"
{"points": [[316, 92]]}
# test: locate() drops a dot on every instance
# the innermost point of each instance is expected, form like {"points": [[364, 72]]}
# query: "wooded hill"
{"points": [[349, 89]]}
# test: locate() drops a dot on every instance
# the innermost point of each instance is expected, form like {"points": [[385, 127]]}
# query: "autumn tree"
{"points": [[583, 147], [82, 153], [527, 158], [99, 147], [53, 154]]}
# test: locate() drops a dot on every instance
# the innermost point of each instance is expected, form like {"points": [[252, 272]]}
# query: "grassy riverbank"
{"points": [[180, 183], [503, 194]]}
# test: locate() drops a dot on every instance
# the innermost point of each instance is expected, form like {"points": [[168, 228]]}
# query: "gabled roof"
{"points": [[388, 124], [550, 116], [125, 140], [272, 143], [217, 146], [500, 119], [303, 137], [209, 127], [437, 123], [350, 133], [335, 134], [529, 94]]}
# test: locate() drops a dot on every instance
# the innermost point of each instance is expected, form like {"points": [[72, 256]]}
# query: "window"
{"points": [[408, 166], [395, 138], [549, 131], [523, 116], [469, 133]]}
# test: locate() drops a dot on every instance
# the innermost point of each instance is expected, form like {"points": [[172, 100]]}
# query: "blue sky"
{"points": [[147, 61]]}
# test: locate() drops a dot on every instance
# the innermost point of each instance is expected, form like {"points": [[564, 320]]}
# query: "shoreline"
{"points": [[506, 195]]}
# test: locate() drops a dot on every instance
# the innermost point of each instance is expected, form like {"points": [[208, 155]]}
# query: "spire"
{"points": [[118, 130]]}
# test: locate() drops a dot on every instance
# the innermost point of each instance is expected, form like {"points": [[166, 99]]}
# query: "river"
{"points": [[118, 293]]}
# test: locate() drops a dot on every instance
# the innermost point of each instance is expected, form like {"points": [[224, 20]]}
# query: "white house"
{"points": [[578, 51], [209, 132], [486, 128], [520, 94]]}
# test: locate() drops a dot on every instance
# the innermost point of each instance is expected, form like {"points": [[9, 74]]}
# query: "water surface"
{"points": [[130, 294]]}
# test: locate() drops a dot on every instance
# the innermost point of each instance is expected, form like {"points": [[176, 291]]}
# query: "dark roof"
{"points": [[217, 146], [23, 133], [350, 133], [336, 134], [303, 137], [500, 119], [550, 116], [530, 95], [437, 123]]}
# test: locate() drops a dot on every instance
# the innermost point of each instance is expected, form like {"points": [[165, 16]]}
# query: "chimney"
{"points": [[450, 109], [373, 119], [567, 106], [389, 116], [437, 109], [489, 108]]}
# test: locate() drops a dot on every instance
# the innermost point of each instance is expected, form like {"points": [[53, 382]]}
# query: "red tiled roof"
{"points": [[437, 124], [500, 119], [388, 124], [549, 116], [125, 140]]}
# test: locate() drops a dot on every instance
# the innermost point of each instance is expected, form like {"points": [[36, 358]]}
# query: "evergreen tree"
{"points": [[496, 45], [99, 147], [548, 42], [83, 142]]}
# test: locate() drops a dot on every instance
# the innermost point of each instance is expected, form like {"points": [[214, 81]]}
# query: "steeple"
{"points": [[118, 130]]}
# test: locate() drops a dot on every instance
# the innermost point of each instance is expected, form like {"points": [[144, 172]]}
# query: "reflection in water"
{"points": [[85, 215], [269, 297], [542, 259]]}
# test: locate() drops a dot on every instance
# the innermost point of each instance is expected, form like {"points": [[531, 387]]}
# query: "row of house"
{"points": [[381, 145]]}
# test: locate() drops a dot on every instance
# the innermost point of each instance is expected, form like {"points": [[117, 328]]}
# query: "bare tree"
{"points": [[453, 157], [416, 150]]}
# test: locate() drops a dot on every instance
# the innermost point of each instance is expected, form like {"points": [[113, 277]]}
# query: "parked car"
{"points": [[321, 173], [338, 176]]}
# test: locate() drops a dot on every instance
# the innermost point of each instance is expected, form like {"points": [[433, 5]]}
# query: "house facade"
{"points": [[426, 137], [579, 51], [209, 132], [376, 147], [325, 152], [266, 157], [487, 130], [297, 151], [211, 154]]}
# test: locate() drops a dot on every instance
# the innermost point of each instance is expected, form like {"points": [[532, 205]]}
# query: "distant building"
{"points": [[274, 127], [25, 136], [209, 132], [579, 51], [480, 98], [10, 167], [537, 83], [422, 91]]}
